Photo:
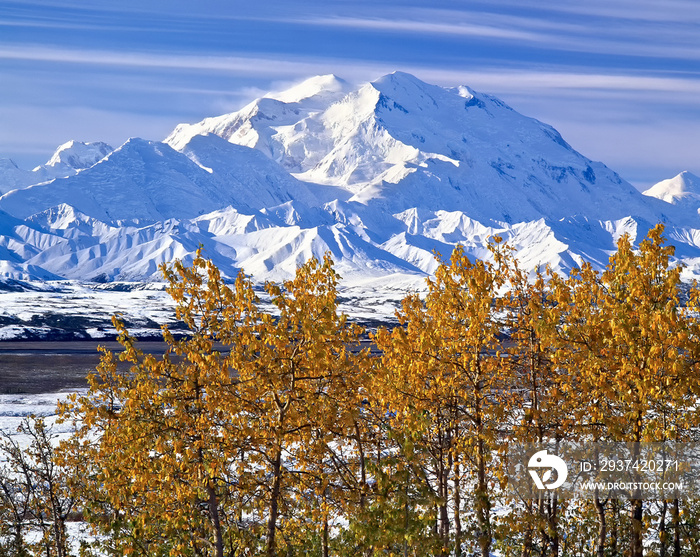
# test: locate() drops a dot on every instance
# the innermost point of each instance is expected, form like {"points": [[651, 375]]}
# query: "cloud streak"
{"points": [[627, 40], [669, 11], [497, 78], [524, 80], [249, 65], [427, 27], [65, 25]]}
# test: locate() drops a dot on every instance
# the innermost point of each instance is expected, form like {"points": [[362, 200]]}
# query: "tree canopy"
{"points": [[283, 434]]}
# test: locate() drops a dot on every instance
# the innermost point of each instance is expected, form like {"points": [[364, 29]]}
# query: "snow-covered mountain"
{"points": [[404, 143], [682, 190], [147, 181], [68, 159], [380, 175], [73, 156]]}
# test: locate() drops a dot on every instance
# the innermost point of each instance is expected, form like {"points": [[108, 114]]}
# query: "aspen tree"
{"points": [[444, 371], [212, 452], [534, 393], [15, 501], [34, 495], [300, 388], [627, 343]]}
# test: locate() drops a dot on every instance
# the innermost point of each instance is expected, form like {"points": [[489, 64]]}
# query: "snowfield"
{"points": [[73, 310], [15, 408]]}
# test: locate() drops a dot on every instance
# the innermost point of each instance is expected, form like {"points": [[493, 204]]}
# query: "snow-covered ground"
{"points": [[47, 310], [84, 310], [15, 408], [88, 308]]}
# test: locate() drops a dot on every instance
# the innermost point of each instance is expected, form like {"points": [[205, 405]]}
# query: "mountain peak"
{"points": [[681, 189], [399, 78], [329, 84], [78, 155], [69, 158], [404, 87], [690, 180], [255, 123]]}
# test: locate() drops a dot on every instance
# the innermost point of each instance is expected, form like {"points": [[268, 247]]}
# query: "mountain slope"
{"points": [[68, 159], [13, 177], [146, 181], [402, 143]]}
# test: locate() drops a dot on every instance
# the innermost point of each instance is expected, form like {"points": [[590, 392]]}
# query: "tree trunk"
{"points": [[482, 502], [636, 526], [614, 529], [60, 535], [363, 471], [274, 504], [602, 526], [443, 487], [526, 550], [405, 519], [543, 512], [663, 534], [444, 517], [215, 520], [676, 529], [458, 519], [636, 549], [324, 539], [553, 526]]}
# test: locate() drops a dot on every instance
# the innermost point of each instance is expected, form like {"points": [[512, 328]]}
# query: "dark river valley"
{"points": [[44, 367]]}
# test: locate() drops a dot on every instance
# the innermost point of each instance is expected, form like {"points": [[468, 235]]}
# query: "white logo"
{"points": [[543, 460]]}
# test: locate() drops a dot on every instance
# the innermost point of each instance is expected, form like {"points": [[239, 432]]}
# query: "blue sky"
{"points": [[620, 79]]}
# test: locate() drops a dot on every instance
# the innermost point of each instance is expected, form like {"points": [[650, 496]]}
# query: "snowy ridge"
{"points": [[254, 124], [682, 190], [76, 155], [147, 181], [68, 159], [381, 176]]}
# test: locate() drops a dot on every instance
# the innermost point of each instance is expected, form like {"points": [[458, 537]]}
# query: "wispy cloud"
{"points": [[680, 11], [65, 25], [631, 40], [609, 29], [248, 65], [496, 78], [565, 81], [266, 67], [428, 27], [58, 6], [523, 80]]}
